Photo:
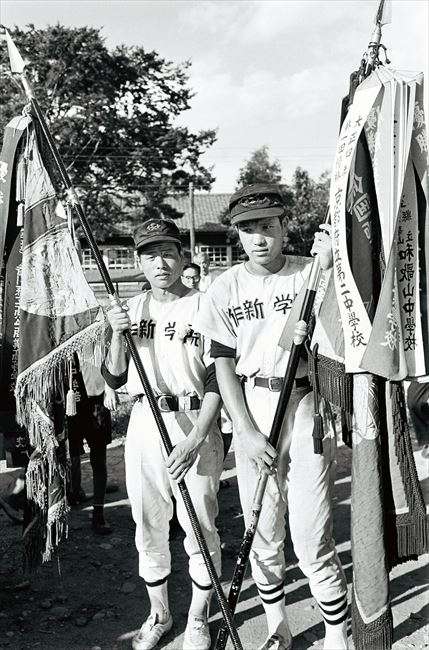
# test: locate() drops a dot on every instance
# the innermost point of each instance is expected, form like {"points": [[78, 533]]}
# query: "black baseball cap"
{"points": [[256, 201], [156, 230]]}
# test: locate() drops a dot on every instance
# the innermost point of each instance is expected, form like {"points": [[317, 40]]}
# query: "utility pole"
{"points": [[192, 220]]}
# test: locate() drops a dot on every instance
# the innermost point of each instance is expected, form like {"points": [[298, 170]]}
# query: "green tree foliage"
{"points": [[113, 114]]}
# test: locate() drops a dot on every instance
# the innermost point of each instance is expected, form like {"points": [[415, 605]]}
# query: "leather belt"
{"points": [[274, 384], [168, 403]]}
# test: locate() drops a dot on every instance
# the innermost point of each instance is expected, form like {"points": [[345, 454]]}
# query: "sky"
{"points": [[264, 72]]}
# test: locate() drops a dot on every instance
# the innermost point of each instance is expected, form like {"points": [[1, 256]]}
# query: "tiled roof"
{"points": [[207, 210]]}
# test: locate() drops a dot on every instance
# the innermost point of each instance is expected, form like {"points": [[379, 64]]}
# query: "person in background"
{"points": [[13, 504], [92, 422], [418, 404], [207, 277], [191, 275]]}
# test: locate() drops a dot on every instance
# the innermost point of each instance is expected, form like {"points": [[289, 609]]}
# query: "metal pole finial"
{"points": [[383, 16]]}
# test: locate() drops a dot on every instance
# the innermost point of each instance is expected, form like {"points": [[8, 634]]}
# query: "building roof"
{"points": [[208, 209]]}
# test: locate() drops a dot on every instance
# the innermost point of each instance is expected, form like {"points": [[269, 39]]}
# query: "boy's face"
{"points": [[262, 239], [191, 278], [161, 263]]}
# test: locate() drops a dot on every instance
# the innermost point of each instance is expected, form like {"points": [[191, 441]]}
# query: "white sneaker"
{"points": [[197, 635], [150, 632]]}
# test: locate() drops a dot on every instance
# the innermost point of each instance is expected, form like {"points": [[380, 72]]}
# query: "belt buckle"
{"points": [[185, 402], [275, 384], [163, 403]]}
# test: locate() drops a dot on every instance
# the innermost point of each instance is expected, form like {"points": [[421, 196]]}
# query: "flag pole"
{"points": [[17, 66], [192, 220], [300, 333], [371, 59]]}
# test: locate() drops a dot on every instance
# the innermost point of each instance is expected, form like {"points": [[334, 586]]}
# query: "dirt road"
{"points": [[92, 598]]}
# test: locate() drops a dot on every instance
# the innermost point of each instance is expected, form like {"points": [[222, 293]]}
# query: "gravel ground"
{"points": [[90, 597]]}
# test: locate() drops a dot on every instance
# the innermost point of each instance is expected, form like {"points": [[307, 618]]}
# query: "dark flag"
{"points": [[15, 438], [58, 315]]}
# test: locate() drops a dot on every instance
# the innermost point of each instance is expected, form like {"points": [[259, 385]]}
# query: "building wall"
{"points": [[121, 254]]}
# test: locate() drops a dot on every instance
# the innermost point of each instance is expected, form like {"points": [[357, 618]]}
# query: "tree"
{"points": [[305, 199], [113, 115], [259, 169], [306, 211]]}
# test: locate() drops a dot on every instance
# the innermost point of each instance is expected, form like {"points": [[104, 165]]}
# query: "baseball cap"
{"points": [[156, 230], [256, 201]]}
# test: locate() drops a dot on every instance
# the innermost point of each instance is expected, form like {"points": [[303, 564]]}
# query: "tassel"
{"points": [[20, 190], [20, 179], [346, 428], [20, 214], [318, 434], [317, 418], [71, 395], [71, 403]]}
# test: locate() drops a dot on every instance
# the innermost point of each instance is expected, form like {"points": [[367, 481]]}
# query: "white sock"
{"points": [[158, 596], [336, 637], [200, 603], [273, 602], [335, 614]]}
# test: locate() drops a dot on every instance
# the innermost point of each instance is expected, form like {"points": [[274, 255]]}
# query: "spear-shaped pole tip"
{"points": [[384, 13], [17, 64]]}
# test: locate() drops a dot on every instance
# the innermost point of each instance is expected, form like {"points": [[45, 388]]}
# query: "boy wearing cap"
{"points": [[244, 313], [181, 373]]}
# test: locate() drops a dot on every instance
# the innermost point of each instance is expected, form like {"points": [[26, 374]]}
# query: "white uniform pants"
{"points": [[150, 488], [303, 484]]}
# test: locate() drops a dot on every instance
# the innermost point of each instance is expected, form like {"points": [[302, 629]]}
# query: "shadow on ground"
{"points": [[90, 596]]}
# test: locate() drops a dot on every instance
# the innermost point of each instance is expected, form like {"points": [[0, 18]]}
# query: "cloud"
{"points": [[285, 111], [272, 19], [264, 71], [276, 72], [214, 17]]}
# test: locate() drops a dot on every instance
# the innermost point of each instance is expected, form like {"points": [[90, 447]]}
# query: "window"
{"points": [[237, 253], [88, 261], [217, 254], [114, 258], [120, 258]]}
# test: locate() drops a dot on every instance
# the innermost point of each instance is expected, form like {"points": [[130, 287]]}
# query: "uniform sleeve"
{"points": [[212, 318], [219, 350], [114, 381], [210, 382]]}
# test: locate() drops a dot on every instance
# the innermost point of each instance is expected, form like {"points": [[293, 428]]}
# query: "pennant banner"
{"points": [[385, 334], [355, 320]]}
